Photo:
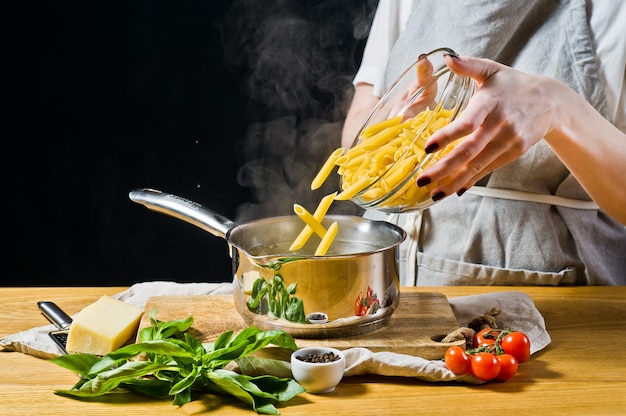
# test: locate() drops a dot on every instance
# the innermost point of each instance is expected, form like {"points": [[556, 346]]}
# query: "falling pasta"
{"points": [[383, 162], [380, 167], [313, 222]]}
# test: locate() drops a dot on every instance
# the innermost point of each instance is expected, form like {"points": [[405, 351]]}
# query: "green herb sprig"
{"points": [[174, 363], [273, 298]]}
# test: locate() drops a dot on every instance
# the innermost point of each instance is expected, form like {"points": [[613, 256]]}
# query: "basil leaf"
{"points": [[126, 352], [274, 299], [109, 380], [246, 334], [281, 389], [151, 387], [163, 330], [219, 358], [223, 382], [223, 340], [291, 289], [78, 363], [295, 311], [273, 336], [185, 383], [175, 364], [256, 366], [266, 387], [195, 346], [182, 398]]}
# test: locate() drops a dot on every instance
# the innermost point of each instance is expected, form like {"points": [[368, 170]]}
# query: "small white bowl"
{"points": [[317, 318], [317, 377]]}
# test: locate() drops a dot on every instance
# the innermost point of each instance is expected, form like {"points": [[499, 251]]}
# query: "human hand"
{"points": [[423, 80], [397, 104], [509, 112]]}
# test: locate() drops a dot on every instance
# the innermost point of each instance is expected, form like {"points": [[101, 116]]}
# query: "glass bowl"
{"points": [[387, 155]]}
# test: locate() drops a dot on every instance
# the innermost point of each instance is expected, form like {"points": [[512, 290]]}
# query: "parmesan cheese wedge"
{"points": [[103, 327]]}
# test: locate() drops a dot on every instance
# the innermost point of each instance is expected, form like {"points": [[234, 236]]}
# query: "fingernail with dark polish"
{"points": [[453, 55], [423, 181], [422, 56], [438, 196], [431, 148], [461, 191]]}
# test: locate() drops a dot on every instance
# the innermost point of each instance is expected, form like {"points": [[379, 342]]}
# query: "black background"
{"points": [[99, 98]]}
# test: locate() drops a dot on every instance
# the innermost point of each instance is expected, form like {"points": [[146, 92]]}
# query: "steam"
{"points": [[301, 58]]}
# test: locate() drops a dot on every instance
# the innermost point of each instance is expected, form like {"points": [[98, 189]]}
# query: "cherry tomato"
{"points": [[457, 360], [485, 366], [357, 306], [363, 311], [517, 344], [484, 342], [508, 367], [485, 336]]}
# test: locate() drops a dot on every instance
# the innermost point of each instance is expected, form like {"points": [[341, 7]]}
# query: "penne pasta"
{"points": [[327, 240], [375, 128], [382, 164], [327, 167], [323, 206], [309, 220], [372, 194], [318, 215], [354, 189], [383, 137], [388, 152], [355, 159], [399, 172]]}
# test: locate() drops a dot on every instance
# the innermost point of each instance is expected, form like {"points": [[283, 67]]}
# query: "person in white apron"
{"points": [[529, 222]]}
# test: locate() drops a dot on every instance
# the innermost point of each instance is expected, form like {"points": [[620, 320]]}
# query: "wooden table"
{"points": [[583, 371]]}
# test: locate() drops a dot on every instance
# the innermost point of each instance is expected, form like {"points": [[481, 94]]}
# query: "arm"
{"points": [[510, 112], [365, 99], [389, 21], [598, 164], [363, 102]]}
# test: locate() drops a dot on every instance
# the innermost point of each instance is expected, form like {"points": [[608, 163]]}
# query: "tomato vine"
{"points": [[495, 354]]}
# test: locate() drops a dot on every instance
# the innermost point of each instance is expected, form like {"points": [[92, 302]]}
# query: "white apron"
{"points": [[530, 222]]}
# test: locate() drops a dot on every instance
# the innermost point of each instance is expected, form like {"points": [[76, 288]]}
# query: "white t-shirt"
{"points": [[607, 21]]}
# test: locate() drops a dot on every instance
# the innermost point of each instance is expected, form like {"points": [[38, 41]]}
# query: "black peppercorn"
{"points": [[326, 357]]}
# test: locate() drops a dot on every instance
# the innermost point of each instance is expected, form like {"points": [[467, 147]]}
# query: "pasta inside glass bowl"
{"points": [[380, 169]]}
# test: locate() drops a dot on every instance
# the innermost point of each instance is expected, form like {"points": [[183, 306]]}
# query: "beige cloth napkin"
{"points": [[518, 312]]}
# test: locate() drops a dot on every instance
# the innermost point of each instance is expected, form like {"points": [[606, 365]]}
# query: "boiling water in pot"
{"points": [[336, 248]]}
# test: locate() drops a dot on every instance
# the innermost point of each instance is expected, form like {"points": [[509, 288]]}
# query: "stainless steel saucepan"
{"points": [[352, 289]]}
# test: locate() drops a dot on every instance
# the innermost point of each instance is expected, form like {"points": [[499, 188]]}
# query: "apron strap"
{"points": [[532, 197], [411, 223]]}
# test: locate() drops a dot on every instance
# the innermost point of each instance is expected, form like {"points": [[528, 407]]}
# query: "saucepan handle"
{"points": [[183, 209]]}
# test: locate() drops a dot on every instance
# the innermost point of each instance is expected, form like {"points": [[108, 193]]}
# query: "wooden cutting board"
{"points": [[419, 320]]}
